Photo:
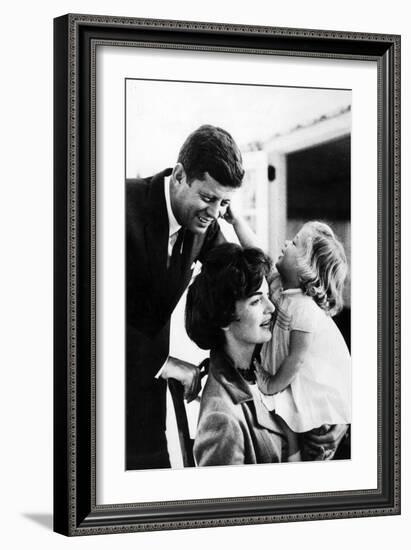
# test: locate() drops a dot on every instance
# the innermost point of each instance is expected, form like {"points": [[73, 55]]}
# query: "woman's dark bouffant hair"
{"points": [[230, 273]]}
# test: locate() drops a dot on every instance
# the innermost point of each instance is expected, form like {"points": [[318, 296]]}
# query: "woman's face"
{"points": [[287, 263], [254, 316]]}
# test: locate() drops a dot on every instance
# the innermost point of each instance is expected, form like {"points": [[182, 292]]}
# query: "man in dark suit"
{"points": [[171, 223]]}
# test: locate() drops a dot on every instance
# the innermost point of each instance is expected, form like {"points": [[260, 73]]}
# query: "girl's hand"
{"points": [[231, 216], [245, 234], [263, 379]]}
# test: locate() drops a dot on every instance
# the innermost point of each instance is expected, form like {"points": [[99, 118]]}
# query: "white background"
{"points": [[114, 485], [26, 274]]}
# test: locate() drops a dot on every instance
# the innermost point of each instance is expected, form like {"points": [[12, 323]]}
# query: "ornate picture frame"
{"points": [[76, 40]]}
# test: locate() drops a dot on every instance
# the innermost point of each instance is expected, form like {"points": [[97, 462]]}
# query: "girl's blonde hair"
{"points": [[322, 266]]}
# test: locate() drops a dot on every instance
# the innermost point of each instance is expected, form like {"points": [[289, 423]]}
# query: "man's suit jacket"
{"points": [[151, 296]]}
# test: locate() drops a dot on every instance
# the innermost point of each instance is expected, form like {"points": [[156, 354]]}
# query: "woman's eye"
{"points": [[206, 199]]}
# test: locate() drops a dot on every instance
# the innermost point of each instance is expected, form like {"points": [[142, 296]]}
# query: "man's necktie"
{"points": [[174, 268]]}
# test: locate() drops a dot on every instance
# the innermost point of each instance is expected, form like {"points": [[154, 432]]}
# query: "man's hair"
{"points": [[323, 266], [229, 273], [213, 150]]}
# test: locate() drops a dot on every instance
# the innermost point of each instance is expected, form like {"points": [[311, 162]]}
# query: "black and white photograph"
{"points": [[204, 262], [226, 271], [238, 274]]}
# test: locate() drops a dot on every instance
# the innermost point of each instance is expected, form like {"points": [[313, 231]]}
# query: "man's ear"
{"points": [[179, 174]]}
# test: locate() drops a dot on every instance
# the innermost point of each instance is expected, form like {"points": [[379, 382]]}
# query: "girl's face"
{"points": [[254, 316], [287, 264]]}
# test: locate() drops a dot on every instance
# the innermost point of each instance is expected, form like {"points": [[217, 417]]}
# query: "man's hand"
{"points": [[322, 443], [186, 373]]}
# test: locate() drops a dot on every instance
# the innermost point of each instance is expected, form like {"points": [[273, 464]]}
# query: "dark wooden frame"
{"points": [[75, 40]]}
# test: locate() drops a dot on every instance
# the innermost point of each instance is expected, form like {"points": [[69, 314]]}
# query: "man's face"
{"points": [[198, 203]]}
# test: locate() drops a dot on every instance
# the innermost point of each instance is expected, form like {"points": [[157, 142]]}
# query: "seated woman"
{"points": [[229, 312]]}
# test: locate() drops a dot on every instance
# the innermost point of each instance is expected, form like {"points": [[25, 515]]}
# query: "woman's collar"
{"points": [[229, 377]]}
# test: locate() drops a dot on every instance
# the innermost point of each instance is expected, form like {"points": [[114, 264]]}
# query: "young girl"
{"points": [[306, 373]]}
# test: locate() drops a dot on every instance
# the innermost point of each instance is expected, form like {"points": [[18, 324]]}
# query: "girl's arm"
{"points": [[245, 234], [270, 384]]}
